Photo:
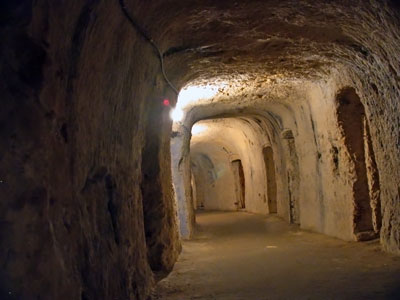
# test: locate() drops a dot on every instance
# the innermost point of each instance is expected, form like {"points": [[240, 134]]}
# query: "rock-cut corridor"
{"points": [[278, 120]]}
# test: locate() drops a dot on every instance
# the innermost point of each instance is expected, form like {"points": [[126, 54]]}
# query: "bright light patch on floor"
{"points": [[271, 247], [198, 128]]}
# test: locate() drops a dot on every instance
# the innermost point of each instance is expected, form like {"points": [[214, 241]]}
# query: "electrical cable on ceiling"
{"points": [[143, 33]]}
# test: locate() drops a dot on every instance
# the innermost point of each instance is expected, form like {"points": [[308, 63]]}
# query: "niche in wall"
{"points": [[239, 183], [271, 179], [355, 129], [293, 176]]}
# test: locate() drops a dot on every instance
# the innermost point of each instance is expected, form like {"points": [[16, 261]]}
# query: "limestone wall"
{"points": [[87, 207], [81, 155], [316, 174]]}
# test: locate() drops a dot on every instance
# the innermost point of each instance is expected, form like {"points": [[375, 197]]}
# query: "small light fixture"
{"points": [[176, 114]]}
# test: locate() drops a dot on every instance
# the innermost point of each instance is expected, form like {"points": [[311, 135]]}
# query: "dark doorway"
{"points": [[293, 176], [271, 181], [355, 129], [239, 183]]}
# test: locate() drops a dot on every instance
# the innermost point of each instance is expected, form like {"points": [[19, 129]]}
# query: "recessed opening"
{"points": [[238, 176], [355, 129], [271, 180], [293, 176]]}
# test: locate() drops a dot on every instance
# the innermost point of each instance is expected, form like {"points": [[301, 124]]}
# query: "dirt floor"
{"points": [[237, 255]]}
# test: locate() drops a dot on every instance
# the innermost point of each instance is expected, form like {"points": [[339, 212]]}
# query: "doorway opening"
{"points": [[193, 190], [293, 177], [238, 175], [271, 180], [355, 129]]}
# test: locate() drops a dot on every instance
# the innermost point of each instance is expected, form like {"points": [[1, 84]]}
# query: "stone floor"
{"points": [[237, 255]]}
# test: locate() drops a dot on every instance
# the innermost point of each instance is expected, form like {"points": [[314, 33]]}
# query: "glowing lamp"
{"points": [[176, 114]]}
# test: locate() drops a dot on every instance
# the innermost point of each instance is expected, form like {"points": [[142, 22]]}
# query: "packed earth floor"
{"points": [[242, 256]]}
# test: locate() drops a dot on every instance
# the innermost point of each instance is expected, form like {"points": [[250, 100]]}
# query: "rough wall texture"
{"points": [[159, 216], [225, 140], [315, 173], [300, 54], [78, 124], [78, 90], [213, 178]]}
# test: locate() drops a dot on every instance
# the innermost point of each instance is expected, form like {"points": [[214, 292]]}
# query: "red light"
{"points": [[166, 102]]}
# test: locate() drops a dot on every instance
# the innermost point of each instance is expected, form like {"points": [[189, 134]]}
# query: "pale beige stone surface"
{"points": [[87, 207]]}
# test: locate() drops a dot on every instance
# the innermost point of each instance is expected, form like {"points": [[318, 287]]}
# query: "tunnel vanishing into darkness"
{"points": [[285, 107]]}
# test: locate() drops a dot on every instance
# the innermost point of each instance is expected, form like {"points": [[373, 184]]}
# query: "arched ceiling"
{"points": [[250, 42], [271, 51]]}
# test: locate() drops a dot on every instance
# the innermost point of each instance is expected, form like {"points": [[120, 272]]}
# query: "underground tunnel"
{"points": [[201, 149]]}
